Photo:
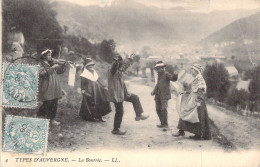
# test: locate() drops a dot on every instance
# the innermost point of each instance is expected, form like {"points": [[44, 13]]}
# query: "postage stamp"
{"points": [[25, 135], [20, 85]]}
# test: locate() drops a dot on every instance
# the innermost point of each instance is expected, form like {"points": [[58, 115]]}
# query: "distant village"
{"points": [[183, 58]]}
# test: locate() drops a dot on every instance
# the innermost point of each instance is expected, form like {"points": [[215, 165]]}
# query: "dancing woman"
{"points": [[192, 108]]}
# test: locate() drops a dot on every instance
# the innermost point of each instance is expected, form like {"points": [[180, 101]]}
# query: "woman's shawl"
{"points": [[88, 75], [198, 83], [187, 102]]}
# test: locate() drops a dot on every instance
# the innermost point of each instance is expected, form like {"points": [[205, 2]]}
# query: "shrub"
{"points": [[80, 45], [217, 80], [107, 50], [34, 18], [236, 97], [254, 86]]}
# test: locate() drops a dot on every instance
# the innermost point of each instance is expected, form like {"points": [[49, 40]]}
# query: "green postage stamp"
{"points": [[25, 135], [20, 85]]}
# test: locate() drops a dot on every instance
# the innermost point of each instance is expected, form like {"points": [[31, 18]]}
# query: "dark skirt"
{"points": [[201, 128], [89, 109]]}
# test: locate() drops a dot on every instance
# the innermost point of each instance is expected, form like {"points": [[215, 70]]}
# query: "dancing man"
{"points": [[117, 93], [162, 92]]}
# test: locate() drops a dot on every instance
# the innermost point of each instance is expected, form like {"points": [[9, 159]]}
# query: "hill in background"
{"points": [[240, 38], [137, 25]]}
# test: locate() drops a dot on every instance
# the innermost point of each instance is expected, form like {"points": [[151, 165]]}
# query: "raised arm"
{"points": [[126, 64], [172, 77], [60, 65], [45, 70]]}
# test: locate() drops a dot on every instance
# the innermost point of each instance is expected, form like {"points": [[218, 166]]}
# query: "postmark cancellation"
{"points": [[19, 85], [25, 135]]}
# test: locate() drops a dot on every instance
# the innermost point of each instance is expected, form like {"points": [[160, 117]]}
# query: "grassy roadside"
{"points": [[217, 136], [253, 120]]}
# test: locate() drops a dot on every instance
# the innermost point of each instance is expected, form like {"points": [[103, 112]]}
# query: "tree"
{"points": [[34, 18], [136, 58], [254, 86], [65, 28], [80, 45], [237, 97], [217, 80], [107, 50]]}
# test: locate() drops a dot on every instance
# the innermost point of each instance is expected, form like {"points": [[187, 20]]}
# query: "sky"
{"points": [[193, 5]]}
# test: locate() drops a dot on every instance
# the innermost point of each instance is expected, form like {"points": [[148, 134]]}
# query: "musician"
{"points": [[49, 86]]}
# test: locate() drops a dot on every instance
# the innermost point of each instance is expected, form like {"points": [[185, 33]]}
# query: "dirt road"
{"points": [[82, 135]]}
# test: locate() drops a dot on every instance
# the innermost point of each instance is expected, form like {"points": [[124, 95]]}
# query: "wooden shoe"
{"points": [[195, 137], [179, 133], [162, 126], [141, 117], [118, 132]]}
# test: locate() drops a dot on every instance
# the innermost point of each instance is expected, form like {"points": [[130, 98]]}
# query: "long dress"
{"points": [[194, 117], [94, 102]]}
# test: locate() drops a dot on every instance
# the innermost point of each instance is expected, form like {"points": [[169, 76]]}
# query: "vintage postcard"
{"points": [[130, 83]]}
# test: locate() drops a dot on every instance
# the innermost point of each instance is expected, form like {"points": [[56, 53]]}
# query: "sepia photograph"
{"points": [[130, 83]]}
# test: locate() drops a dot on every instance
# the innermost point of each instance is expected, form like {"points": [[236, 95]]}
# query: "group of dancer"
{"points": [[96, 97], [191, 104]]}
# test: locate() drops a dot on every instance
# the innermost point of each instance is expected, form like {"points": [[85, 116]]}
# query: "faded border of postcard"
{"points": [[162, 157]]}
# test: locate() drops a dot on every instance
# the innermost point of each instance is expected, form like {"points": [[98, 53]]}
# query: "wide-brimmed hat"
{"points": [[88, 62], [159, 64]]}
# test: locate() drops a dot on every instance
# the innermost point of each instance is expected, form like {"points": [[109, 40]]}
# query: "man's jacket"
{"points": [[162, 89]]}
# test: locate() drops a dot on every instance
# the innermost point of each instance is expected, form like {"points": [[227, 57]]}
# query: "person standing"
{"points": [[117, 93], [94, 102], [162, 92], [15, 36], [192, 108], [49, 86], [14, 45]]}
